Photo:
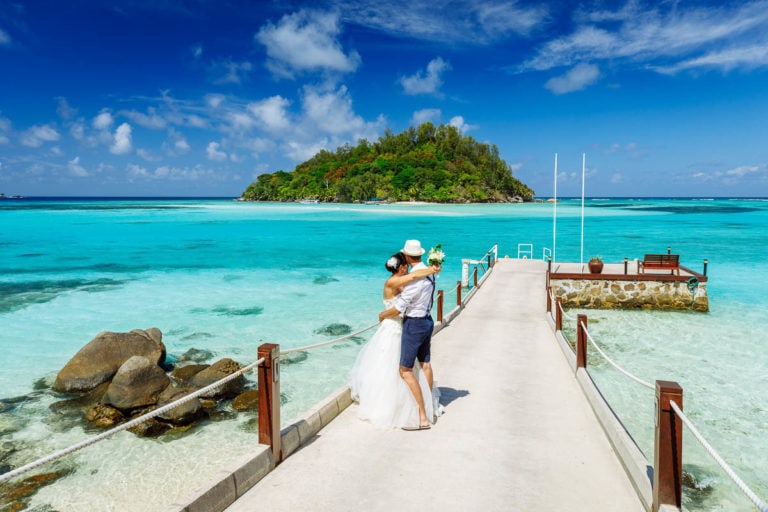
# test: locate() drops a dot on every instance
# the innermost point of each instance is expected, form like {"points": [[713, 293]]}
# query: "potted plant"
{"points": [[595, 264]]}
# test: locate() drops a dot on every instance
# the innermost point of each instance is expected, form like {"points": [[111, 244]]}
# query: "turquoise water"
{"points": [[227, 276]]}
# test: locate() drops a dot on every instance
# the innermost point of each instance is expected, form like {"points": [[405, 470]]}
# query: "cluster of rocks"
{"points": [[119, 376], [608, 294]]}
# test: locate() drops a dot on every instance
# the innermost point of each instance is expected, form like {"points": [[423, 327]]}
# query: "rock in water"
{"points": [[137, 382], [217, 371], [99, 360]]}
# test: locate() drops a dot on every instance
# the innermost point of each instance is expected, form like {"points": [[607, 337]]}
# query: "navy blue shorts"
{"points": [[416, 341]]}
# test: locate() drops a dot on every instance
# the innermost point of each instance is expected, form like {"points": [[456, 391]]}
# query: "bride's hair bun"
{"points": [[395, 262]]}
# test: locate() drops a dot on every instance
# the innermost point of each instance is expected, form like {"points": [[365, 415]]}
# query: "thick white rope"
{"points": [[760, 504], [605, 356], [317, 345], [566, 315], [144, 417]]}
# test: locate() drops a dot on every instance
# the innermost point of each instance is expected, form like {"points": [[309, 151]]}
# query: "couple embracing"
{"points": [[392, 378]]}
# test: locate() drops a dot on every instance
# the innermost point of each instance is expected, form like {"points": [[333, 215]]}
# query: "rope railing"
{"points": [[566, 315], [612, 363], [160, 410], [331, 342], [760, 504], [130, 424]]}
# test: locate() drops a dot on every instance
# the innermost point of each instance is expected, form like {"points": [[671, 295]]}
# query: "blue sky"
{"points": [[197, 97]]}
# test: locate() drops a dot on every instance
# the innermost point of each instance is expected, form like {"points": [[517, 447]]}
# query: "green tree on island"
{"points": [[427, 163]]}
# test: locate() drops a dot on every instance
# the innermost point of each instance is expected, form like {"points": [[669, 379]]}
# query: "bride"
{"points": [[384, 397]]}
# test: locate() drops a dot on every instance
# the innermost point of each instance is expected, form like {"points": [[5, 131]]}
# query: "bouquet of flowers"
{"points": [[436, 256]]}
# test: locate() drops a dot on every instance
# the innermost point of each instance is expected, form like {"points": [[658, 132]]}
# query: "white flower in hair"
{"points": [[392, 262]]}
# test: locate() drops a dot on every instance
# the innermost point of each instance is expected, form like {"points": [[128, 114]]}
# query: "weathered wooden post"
{"points": [[558, 315], [549, 299], [458, 293], [269, 398], [581, 341], [668, 449], [439, 305], [474, 277]]}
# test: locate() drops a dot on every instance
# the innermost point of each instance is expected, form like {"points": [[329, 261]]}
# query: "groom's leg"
{"points": [[427, 369]]}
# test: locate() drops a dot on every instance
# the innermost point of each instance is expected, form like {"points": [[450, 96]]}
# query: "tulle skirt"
{"points": [[384, 398]]}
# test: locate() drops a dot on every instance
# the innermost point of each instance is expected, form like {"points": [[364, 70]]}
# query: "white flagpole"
{"points": [[554, 218], [583, 167]]}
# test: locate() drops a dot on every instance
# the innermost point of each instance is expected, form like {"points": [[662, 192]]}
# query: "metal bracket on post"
{"points": [[269, 398]]}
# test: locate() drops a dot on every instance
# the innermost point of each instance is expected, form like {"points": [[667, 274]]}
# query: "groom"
{"points": [[416, 302]]}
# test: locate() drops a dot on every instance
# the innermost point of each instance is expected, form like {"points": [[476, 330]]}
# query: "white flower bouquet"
{"points": [[436, 256]]}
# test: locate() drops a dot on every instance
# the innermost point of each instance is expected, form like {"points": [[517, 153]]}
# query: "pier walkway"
{"points": [[517, 434]]}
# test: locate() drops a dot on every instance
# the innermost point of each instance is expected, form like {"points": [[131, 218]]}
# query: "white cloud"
{"points": [[271, 113], [578, 78], [36, 136], [151, 120], [301, 151], [463, 22], [617, 178], [181, 145], [197, 51], [122, 140], [427, 114], [332, 112], [170, 173], [305, 41], [103, 121], [75, 168], [4, 37], [147, 155], [213, 152], [214, 101], [428, 82], [664, 36], [458, 123], [230, 72], [4, 139], [742, 170], [64, 110]]}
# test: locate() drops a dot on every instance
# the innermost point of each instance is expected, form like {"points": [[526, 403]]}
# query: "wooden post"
{"points": [[668, 448], [626, 261], [549, 264], [669, 250], [705, 267], [440, 305], [558, 315], [581, 341], [458, 293], [549, 299], [474, 278], [269, 398], [489, 261]]}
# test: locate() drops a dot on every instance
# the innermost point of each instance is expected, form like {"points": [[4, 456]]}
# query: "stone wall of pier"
{"points": [[628, 294]]}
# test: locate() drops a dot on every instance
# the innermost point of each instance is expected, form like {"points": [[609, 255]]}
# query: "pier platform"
{"points": [[517, 433]]}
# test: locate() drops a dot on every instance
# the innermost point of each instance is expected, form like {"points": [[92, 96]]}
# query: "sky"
{"points": [[199, 97]]}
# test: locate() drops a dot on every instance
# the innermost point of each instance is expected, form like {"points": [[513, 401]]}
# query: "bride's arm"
{"points": [[400, 281]]}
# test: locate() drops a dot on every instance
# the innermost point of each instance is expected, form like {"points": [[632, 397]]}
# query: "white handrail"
{"points": [[605, 356]]}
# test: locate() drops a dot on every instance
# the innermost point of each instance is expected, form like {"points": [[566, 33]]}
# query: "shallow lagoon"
{"points": [[227, 276]]}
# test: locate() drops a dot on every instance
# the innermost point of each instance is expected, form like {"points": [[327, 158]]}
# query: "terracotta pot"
{"points": [[595, 267]]}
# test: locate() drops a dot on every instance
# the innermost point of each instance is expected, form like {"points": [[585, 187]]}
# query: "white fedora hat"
{"points": [[413, 248]]}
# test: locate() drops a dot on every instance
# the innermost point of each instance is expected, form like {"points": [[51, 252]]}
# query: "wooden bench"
{"points": [[662, 261]]}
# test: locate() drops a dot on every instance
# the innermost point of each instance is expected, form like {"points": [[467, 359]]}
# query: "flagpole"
{"points": [[583, 167], [554, 217]]}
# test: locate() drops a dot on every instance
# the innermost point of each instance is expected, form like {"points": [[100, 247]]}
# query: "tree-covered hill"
{"points": [[427, 163]]}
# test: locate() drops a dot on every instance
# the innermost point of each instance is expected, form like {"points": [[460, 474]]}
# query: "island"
{"points": [[424, 163]]}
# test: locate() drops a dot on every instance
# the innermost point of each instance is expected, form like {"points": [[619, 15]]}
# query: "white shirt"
{"points": [[416, 298]]}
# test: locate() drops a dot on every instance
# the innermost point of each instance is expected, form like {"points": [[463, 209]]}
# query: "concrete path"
{"points": [[517, 435]]}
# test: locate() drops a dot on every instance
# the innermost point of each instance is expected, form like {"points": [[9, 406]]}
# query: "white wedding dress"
{"points": [[383, 396]]}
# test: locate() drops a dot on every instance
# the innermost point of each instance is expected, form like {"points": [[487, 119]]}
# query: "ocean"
{"points": [[226, 276]]}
